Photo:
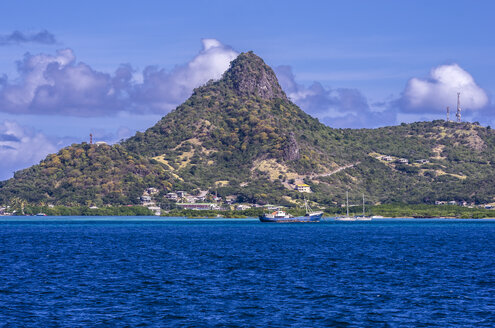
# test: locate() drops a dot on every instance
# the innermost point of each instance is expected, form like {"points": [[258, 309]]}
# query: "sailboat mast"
{"points": [[363, 205], [347, 202]]}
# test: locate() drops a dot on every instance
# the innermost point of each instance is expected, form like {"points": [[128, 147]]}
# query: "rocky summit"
{"points": [[240, 136]]}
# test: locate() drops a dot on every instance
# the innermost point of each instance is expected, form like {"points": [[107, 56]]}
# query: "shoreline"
{"points": [[164, 218]]}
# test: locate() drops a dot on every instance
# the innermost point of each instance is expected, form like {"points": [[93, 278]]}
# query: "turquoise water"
{"points": [[66, 272]]}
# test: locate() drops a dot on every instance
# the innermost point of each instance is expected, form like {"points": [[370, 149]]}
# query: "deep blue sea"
{"points": [[242, 273]]}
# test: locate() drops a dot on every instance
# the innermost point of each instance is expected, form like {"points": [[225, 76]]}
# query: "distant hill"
{"points": [[242, 136]]}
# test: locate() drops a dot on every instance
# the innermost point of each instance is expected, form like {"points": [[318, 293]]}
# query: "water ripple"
{"points": [[236, 274]]}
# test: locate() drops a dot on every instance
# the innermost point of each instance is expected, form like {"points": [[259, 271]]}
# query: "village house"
{"points": [[422, 161], [230, 199], [171, 195], [303, 188], [387, 158], [190, 199], [146, 200], [197, 206], [242, 207], [402, 161], [151, 191], [156, 210]]}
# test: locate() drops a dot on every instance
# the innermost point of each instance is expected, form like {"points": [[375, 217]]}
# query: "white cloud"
{"points": [[21, 147], [339, 107], [440, 90], [161, 91], [58, 84]]}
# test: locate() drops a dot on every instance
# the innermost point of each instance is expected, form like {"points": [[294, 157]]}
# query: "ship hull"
{"points": [[298, 219]]}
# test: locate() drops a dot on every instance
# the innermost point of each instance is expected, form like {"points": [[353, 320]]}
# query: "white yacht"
{"points": [[363, 217], [347, 217]]}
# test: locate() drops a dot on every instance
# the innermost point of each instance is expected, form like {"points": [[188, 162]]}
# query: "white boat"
{"points": [[363, 217], [347, 217]]}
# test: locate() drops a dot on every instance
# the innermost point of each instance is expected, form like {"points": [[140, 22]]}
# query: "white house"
{"points": [[303, 188]]}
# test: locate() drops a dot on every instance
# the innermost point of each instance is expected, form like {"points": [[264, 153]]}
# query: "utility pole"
{"points": [[448, 114]]}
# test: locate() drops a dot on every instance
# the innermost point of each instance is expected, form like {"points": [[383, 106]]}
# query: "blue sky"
{"points": [[69, 68]]}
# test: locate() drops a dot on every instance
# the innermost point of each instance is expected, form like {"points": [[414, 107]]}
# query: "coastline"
{"points": [[27, 218]]}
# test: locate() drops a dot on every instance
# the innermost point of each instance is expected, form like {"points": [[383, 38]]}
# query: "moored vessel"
{"points": [[346, 217], [363, 217], [283, 217]]}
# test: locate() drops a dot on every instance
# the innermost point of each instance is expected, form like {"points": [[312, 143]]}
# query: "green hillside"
{"points": [[85, 175], [241, 136]]}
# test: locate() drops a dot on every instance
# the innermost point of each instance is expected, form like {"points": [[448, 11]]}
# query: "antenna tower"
{"points": [[448, 114], [458, 114], [90, 138]]}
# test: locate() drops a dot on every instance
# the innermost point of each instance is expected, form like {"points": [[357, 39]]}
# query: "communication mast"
{"points": [[458, 114], [448, 114], [90, 138]]}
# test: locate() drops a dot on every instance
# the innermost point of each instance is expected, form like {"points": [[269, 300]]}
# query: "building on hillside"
{"points": [[171, 195], [197, 206], [230, 199], [402, 161], [190, 199], [242, 207], [156, 210], [387, 158], [145, 199], [100, 143], [303, 188], [181, 194], [152, 191], [422, 161]]}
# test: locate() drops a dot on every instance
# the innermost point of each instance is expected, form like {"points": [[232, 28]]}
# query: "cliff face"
{"points": [[249, 75]]}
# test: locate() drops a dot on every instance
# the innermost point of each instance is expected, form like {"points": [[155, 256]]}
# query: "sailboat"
{"points": [[347, 217], [363, 217]]}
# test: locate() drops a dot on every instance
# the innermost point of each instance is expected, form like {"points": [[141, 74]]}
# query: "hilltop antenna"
{"points": [[458, 114], [90, 138], [448, 114]]}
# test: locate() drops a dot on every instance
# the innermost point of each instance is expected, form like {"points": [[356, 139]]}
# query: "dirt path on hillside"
{"points": [[334, 171]]}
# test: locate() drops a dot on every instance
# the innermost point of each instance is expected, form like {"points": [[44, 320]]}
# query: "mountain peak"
{"points": [[249, 74]]}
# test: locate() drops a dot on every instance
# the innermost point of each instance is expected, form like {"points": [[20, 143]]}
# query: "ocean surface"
{"points": [[114, 272]]}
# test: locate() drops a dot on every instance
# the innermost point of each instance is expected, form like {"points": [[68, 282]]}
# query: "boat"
{"points": [[363, 217], [347, 217], [283, 217], [41, 214]]}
